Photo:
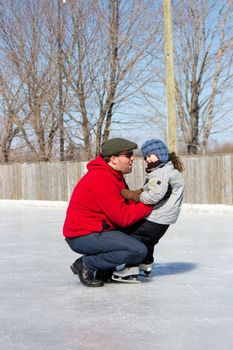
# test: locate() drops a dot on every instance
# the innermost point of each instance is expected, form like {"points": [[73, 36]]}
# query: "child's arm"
{"points": [[155, 190]]}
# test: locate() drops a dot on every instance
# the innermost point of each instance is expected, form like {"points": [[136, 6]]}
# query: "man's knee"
{"points": [[139, 252]]}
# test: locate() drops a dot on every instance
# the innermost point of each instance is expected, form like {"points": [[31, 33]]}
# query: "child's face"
{"points": [[151, 158]]}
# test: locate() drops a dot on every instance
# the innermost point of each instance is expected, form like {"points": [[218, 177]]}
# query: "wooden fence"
{"points": [[208, 179]]}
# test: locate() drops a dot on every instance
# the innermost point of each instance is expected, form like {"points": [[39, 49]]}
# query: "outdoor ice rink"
{"points": [[187, 303]]}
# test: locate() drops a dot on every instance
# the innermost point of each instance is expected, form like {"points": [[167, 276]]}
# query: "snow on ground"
{"points": [[208, 208], [186, 303], [188, 208]]}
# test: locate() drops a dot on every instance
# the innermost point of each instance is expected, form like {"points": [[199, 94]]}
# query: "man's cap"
{"points": [[114, 147], [157, 147]]}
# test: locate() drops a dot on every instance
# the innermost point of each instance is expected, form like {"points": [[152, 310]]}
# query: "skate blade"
{"points": [[144, 273], [124, 280], [146, 276]]}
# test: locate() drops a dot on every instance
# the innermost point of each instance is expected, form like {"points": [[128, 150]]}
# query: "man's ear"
{"points": [[113, 160]]}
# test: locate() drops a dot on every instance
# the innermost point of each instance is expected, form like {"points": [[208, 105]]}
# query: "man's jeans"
{"points": [[106, 250]]}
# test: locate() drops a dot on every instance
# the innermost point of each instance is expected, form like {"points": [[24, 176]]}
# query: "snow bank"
{"points": [[32, 203], [207, 208], [186, 208]]}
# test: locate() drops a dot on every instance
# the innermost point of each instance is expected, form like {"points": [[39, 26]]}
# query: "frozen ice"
{"points": [[186, 304]]}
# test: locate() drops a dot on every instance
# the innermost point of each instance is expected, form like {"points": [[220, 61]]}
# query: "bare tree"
{"points": [[204, 70], [9, 111], [108, 62], [76, 67], [29, 42]]}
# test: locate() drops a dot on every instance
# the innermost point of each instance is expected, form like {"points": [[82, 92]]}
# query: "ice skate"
{"points": [[146, 268], [127, 275]]}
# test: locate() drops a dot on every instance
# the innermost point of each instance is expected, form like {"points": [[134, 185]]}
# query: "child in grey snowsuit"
{"points": [[163, 187]]}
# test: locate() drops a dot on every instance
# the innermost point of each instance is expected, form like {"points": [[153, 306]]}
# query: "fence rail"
{"points": [[207, 179]]}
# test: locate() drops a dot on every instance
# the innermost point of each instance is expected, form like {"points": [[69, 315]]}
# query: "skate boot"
{"points": [[146, 268], [127, 275], [104, 275]]}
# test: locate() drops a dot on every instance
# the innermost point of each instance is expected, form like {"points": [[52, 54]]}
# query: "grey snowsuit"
{"points": [[155, 187], [163, 187]]}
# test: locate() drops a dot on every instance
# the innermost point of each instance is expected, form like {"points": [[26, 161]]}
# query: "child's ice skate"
{"points": [[127, 275], [146, 268]]}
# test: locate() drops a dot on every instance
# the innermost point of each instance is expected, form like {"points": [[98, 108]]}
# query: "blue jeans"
{"points": [[106, 250]]}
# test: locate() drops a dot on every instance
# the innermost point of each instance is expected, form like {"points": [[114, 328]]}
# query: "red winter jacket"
{"points": [[96, 198]]}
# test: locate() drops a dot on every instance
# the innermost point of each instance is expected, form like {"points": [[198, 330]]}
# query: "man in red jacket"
{"points": [[97, 212]]}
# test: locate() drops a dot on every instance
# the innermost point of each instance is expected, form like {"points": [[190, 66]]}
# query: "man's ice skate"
{"points": [[127, 275], [146, 268]]}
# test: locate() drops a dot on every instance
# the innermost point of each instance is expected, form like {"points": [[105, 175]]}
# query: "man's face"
{"points": [[123, 162]]}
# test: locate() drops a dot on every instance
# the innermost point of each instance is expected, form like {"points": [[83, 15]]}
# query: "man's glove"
{"points": [[134, 195]]}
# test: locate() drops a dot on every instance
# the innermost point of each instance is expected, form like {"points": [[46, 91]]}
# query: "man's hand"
{"points": [[134, 195]]}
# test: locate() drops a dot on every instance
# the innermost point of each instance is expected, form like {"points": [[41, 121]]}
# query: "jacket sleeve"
{"points": [[118, 210], [155, 189]]}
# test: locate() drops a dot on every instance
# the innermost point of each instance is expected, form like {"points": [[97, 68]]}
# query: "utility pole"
{"points": [[60, 77], [170, 78]]}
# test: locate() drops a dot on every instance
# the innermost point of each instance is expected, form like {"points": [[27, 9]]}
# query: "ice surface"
{"points": [[187, 304]]}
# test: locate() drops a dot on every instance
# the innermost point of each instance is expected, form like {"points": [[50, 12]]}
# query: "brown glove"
{"points": [[134, 195]]}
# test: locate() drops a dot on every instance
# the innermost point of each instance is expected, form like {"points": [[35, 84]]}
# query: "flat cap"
{"points": [[115, 146]]}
